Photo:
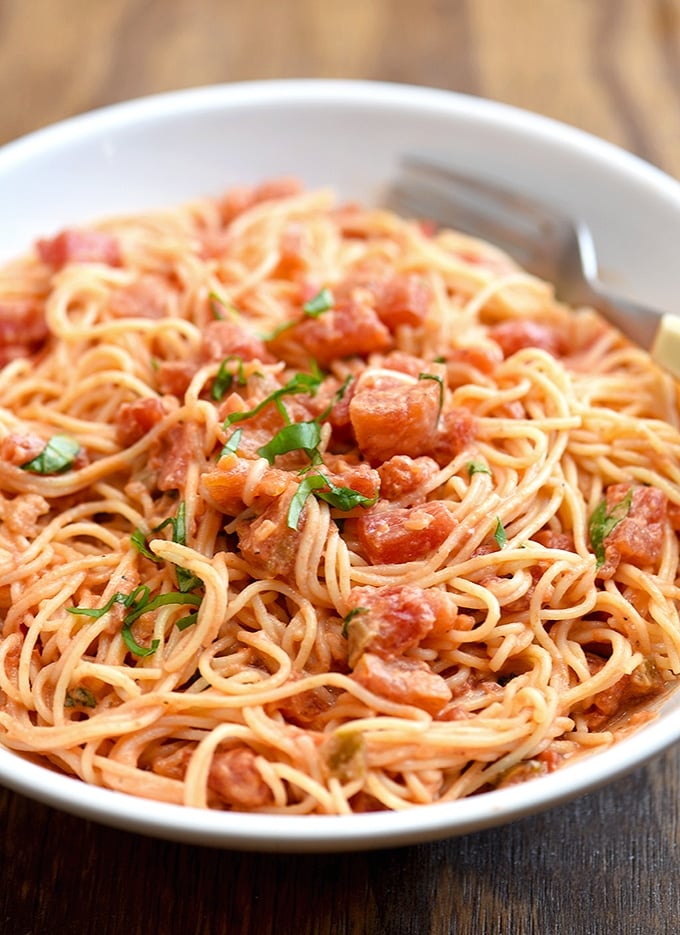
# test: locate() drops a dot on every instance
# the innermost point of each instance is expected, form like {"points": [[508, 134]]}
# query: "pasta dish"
{"points": [[307, 508]]}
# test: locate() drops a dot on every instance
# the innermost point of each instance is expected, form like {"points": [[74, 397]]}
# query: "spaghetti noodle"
{"points": [[309, 509]]}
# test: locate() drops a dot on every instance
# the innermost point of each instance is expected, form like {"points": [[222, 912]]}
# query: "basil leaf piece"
{"points": [[602, 524], [80, 698], [306, 486], [225, 378], [345, 498], [440, 381], [318, 304], [342, 498], [347, 619], [231, 445], [477, 467], [299, 436], [138, 540], [300, 383], [57, 456], [500, 534]]}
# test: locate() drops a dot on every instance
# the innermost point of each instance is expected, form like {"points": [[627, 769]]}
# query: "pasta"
{"points": [[307, 508]]}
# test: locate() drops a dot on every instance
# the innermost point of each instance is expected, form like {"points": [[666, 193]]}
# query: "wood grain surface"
{"points": [[608, 863]]}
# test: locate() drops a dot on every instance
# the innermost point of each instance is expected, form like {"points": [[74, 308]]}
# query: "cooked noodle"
{"points": [[308, 509]]}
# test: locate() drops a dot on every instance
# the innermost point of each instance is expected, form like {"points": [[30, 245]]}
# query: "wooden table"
{"points": [[608, 863]]}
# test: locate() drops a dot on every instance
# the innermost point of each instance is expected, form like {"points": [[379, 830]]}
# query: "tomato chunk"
{"points": [[407, 681], [638, 538], [133, 420], [76, 246], [397, 418], [403, 534], [227, 339], [236, 780]]}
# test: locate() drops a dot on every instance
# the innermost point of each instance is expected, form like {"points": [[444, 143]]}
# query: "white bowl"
{"points": [[160, 151]]}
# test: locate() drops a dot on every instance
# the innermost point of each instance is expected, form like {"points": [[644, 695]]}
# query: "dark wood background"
{"points": [[608, 863]]}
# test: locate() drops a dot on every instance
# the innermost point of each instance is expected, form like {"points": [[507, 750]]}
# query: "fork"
{"points": [[541, 238]]}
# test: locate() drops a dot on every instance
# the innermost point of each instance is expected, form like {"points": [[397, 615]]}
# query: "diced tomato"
{"points": [[638, 537], [348, 329], [360, 477], [171, 454], [403, 477], [512, 336], [80, 246], [403, 300], [225, 484], [19, 449], [147, 297], [23, 328], [388, 620], [267, 541], [403, 534], [223, 339], [406, 681], [397, 418], [644, 681], [174, 376], [304, 709], [556, 540], [236, 780], [456, 429], [241, 198], [133, 420]]}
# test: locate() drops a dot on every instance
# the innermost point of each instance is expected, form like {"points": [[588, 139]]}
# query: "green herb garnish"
{"points": [[440, 381], [313, 308], [602, 524], [80, 698], [225, 378], [231, 445], [299, 436], [500, 534], [318, 304], [347, 619], [299, 383], [343, 498], [57, 456], [137, 602], [477, 467]]}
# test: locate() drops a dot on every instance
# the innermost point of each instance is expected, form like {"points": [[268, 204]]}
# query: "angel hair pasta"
{"points": [[308, 508]]}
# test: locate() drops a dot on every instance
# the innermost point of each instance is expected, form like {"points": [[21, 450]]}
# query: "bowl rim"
{"points": [[318, 833]]}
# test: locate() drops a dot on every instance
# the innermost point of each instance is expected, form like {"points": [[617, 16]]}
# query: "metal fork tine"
{"points": [[434, 199], [488, 190], [543, 239]]}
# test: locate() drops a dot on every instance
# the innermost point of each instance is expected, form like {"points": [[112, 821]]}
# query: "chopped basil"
{"points": [[138, 602], [217, 304], [347, 619], [343, 498], [225, 378], [57, 456], [231, 445], [80, 698], [440, 381], [138, 539], [313, 308], [186, 581], [477, 467], [299, 436], [602, 524], [500, 534], [318, 304], [299, 383]]}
